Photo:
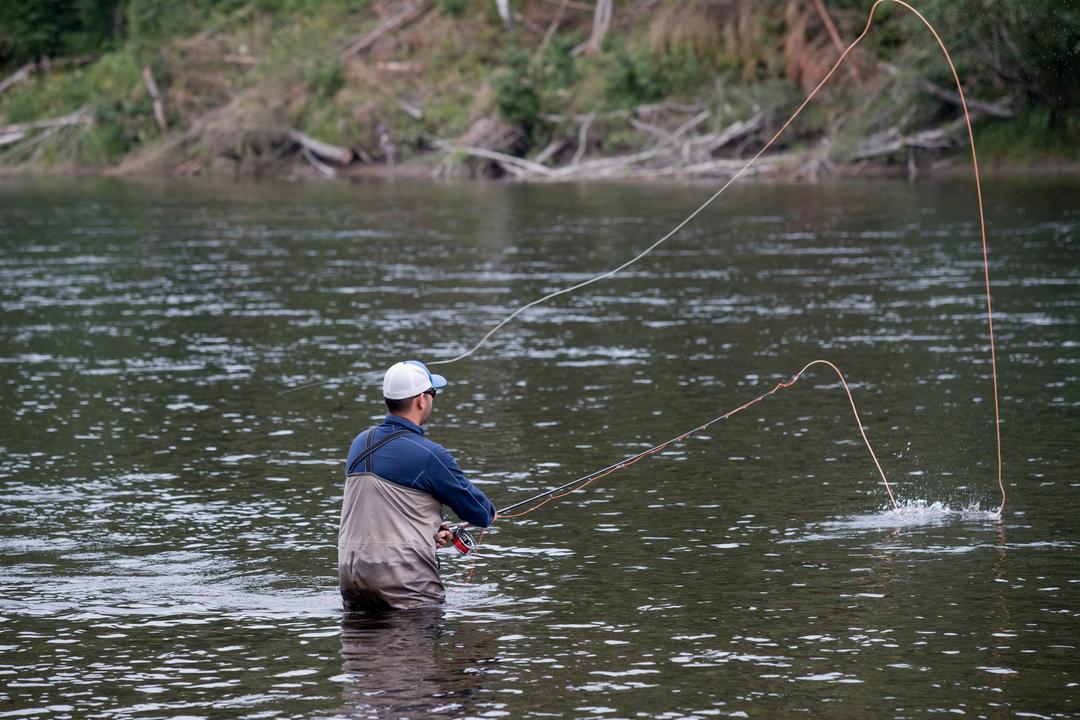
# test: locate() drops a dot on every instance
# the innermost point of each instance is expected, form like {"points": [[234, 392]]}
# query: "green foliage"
{"points": [[634, 78], [515, 95], [149, 21], [557, 67], [113, 90], [639, 75], [728, 54], [1039, 133], [452, 8], [55, 28], [325, 76], [300, 7]]}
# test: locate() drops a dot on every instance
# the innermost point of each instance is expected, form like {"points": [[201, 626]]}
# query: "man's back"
{"points": [[396, 481]]}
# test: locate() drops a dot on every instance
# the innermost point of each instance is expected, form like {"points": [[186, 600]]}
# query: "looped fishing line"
{"points": [[585, 480], [765, 147], [828, 76]]}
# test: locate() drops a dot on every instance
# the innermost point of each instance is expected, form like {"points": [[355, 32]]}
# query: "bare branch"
{"points": [[553, 148], [498, 157], [155, 96], [583, 138], [326, 151], [410, 11], [18, 76]]}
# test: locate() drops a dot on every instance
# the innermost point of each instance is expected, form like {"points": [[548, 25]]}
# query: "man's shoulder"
{"points": [[434, 449], [427, 443]]}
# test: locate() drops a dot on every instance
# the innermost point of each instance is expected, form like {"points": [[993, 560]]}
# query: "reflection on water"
{"points": [[169, 519], [407, 664]]}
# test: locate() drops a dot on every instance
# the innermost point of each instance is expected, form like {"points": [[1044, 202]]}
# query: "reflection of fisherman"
{"points": [[400, 665], [396, 482]]}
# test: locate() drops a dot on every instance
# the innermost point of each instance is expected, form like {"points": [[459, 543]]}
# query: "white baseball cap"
{"points": [[409, 379]]}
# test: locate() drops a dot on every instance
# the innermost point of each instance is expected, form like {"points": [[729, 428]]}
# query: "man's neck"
{"points": [[413, 417]]}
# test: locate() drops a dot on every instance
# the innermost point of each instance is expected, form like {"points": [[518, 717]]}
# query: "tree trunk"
{"points": [[504, 12], [155, 95], [601, 24]]}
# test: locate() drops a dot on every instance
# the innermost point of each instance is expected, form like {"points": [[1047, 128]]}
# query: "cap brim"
{"points": [[437, 381]]}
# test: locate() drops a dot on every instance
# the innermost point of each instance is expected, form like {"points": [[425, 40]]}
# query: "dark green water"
{"points": [[168, 519]]}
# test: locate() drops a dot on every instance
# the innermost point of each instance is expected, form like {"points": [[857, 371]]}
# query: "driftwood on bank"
{"points": [[675, 154], [553, 148], [1001, 108], [322, 150], [518, 165], [893, 141], [28, 142], [408, 12], [18, 76], [26, 71], [315, 163], [10, 134]]}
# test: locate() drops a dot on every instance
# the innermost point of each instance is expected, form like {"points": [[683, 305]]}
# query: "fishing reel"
{"points": [[462, 540]]}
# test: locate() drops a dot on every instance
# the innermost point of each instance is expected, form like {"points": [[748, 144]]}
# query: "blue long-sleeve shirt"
{"points": [[415, 462]]}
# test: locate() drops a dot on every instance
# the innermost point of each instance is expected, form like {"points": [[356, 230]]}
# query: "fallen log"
{"points": [[719, 168], [553, 148], [734, 132], [325, 151], [314, 162], [692, 123], [1001, 108], [594, 166], [892, 141], [11, 137], [79, 117], [674, 137], [24, 73], [411, 110], [502, 158], [237, 59], [410, 11], [18, 76]]}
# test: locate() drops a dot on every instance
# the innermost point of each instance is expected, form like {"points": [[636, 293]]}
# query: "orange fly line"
{"points": [[588, 479]]}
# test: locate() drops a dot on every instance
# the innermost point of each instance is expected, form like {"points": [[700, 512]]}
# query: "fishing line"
{"points": [[766, 146], [536, 502], [584, 481], [828, 76]]}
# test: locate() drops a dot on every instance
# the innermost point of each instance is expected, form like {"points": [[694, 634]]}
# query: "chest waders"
{"points": [[386, 541]]}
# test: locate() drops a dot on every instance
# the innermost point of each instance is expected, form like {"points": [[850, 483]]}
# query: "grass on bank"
{"points": [[242, 73]]}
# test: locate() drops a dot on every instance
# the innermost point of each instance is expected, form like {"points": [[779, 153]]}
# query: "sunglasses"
{"points": [[430, 391]]}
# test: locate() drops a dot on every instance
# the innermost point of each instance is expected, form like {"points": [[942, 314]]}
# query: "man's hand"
{"points": [[444, 535]]}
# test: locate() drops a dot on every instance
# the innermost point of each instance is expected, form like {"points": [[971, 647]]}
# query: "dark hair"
{"points": [[399, 405]]}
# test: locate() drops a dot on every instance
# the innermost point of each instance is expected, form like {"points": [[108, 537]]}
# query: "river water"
{"points": [[169, 517]]}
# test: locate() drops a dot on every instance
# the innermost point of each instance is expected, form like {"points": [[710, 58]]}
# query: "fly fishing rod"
{"points": [[467, 544], [464, 542]]}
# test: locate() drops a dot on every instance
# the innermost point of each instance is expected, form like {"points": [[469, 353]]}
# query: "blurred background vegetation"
{"points": [[237, 82]]}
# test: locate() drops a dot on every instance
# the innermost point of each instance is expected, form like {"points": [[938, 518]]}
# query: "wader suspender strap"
{"points": [[365, 454]]}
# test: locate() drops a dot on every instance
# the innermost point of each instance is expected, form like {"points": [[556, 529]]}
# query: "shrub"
{"points": [[515, 95], [325, 76]]}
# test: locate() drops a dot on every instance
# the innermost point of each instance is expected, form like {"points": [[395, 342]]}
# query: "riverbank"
{"points": [[549, 91]]}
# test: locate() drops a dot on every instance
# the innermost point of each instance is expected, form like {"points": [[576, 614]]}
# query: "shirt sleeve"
{"points": [[452, 488]]}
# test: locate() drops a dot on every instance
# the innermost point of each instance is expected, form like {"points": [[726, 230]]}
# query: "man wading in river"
{"points": [[396, 482]]}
